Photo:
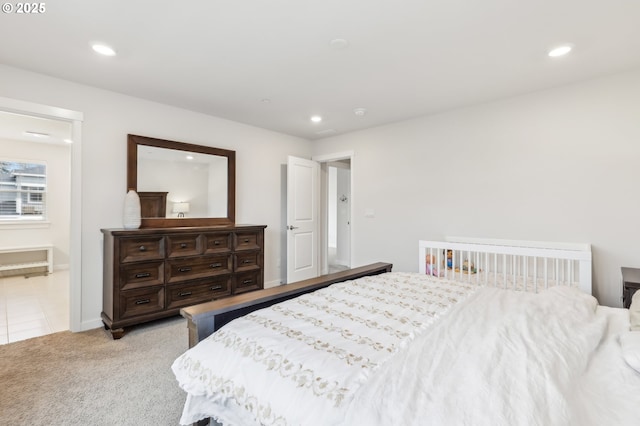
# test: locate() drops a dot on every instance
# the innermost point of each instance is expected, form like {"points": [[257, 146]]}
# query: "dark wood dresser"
{"points": [[630, 284], [151, 273]]}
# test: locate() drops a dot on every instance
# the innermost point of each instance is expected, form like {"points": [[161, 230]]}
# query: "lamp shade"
{"points": [[181, 207]]}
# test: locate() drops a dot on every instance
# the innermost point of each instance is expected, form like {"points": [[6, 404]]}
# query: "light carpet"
{"points": [[88, 378]]}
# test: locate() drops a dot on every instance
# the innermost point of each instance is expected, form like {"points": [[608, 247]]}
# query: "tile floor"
{"points": [[32, 307]]}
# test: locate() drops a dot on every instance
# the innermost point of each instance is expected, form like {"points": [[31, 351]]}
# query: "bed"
{"points": [[486, 333]]}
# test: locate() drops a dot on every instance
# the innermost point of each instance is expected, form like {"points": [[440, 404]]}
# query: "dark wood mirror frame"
{"points": [[132, 180]]}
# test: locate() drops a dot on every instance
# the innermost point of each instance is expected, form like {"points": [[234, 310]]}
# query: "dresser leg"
{"points": [[117, 333]]}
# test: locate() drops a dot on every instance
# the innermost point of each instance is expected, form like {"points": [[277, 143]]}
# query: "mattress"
{"points": [[400, 348]]}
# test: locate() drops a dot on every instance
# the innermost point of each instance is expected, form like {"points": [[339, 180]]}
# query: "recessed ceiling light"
{"points": [[103, 49], [560, 50], [316, 118], [339, 43], [68, 141], [189, 157], [36, 134]]}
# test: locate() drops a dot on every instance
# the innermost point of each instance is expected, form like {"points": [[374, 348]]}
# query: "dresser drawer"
{"points": [[141, 302], [247, 261], [247, 281], [179, 270], [199, 291], [184, 245], [137, 275], [247, 241], [218, 242], [141, 248]]}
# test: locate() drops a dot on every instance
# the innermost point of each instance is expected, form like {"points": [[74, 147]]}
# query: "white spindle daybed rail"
{"points": [[10, 258], [523, 265]]}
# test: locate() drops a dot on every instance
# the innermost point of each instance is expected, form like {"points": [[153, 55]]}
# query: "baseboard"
{"points": [[90, 325], [274, 283]]}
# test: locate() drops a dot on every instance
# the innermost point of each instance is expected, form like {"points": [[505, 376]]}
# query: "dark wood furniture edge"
{"points": [[205, 318], [630, 284]]}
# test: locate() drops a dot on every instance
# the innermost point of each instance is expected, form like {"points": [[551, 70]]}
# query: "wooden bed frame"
{"points": [[206, 318]]}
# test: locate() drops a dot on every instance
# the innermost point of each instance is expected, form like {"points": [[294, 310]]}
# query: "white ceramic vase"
{"points": [[132, 214]]}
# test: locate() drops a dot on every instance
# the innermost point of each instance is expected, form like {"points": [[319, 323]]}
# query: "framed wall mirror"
{"points": [[181, 184]]}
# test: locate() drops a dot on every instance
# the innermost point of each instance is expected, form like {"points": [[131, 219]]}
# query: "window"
{"points": [[23, 191]]}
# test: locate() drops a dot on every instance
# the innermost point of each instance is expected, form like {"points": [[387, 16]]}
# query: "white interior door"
{"points": [[303, 224]]}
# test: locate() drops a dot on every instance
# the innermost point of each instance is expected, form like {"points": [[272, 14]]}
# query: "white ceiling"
{"points": [[404, 58]]}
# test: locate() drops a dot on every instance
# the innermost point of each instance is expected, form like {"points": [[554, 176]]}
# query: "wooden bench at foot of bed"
{"points": [[205, 318]]}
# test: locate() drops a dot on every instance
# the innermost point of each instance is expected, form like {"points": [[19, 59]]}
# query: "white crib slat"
{"points": [[486, 268], [453, 263], [505, 272], [444, 263], [525, 268], [535, 274], [546, 272], [513, 271], [572, 271]]}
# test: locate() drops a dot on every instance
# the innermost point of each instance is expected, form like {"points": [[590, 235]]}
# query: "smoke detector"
{"points": [[360, 112]]}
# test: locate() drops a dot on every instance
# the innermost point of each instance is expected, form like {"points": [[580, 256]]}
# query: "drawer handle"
{"points": [[143, 275], [215, 287], [184, 294], [247, 281], [183, 245], [217, 242], [143, 301], [246, 261], [142, 248], [186, 269], [246, 240], [216, 265]]}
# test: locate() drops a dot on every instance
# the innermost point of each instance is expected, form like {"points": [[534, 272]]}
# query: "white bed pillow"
{"points": [[634, 312], [630, 342]]}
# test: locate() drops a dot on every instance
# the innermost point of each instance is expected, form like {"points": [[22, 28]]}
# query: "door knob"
{"points": [[291, 228]]}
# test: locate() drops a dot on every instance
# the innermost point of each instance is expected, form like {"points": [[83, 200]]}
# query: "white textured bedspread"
{"points": [[302, 361], [405, 349], [503, 358]]}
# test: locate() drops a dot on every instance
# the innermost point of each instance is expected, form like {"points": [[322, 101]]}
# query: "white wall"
{"points": [[559, 165], [109, 117], [56, 229]]}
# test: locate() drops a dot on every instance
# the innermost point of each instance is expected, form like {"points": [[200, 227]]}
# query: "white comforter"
{"points": [[302, 361], [498, 357], [504, 358]]}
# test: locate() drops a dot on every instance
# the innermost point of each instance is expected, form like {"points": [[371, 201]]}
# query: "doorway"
{"points": [[338, 211], [336, 204], [322, 251], [67, 271]]}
